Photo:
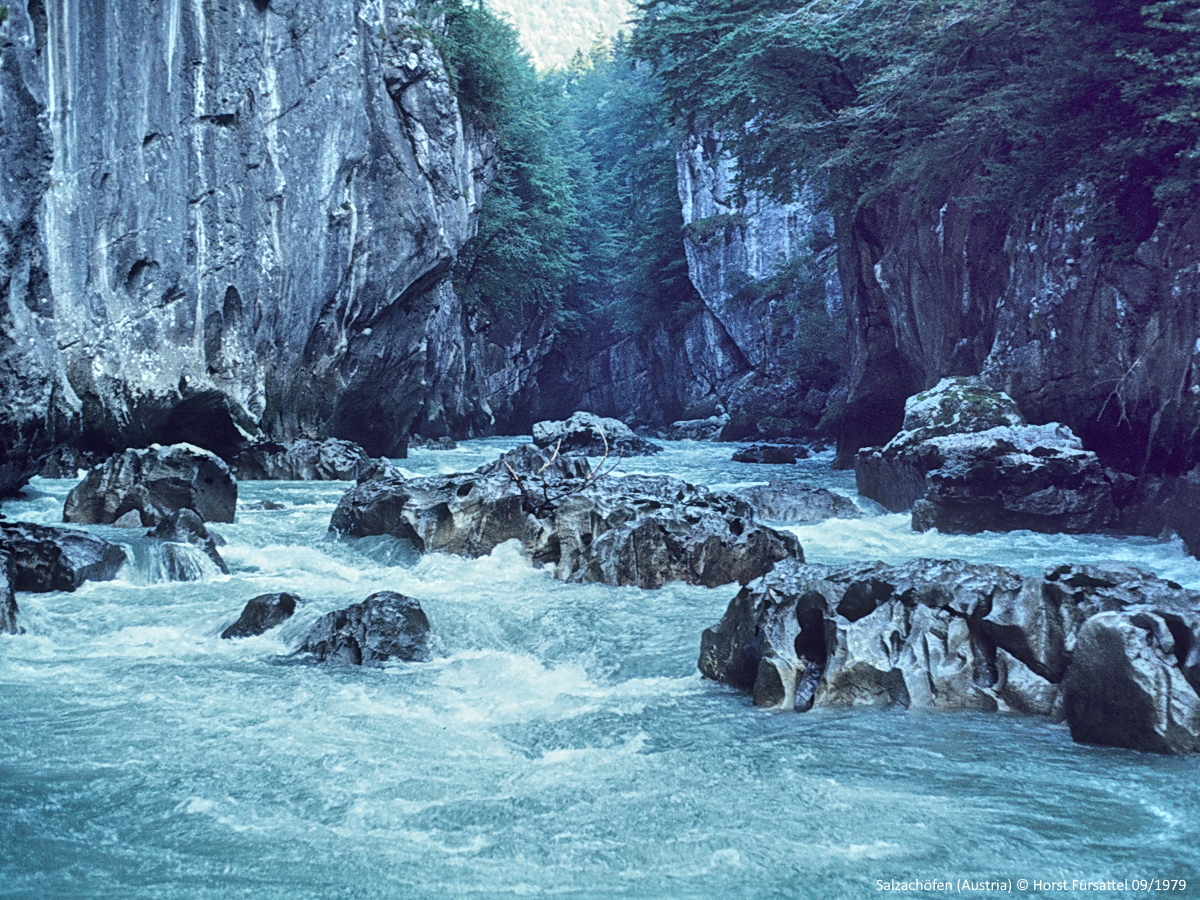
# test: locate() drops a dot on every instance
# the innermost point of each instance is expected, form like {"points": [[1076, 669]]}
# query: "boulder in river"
{"points": [[967, 462], [1112, 649], [8, 600], [797, 504], [301, 460], [774, 454], [637, 530], [184, 538], [709, 429], [589, 435], [386, 626], [57, 559], [155, 482], [261, 614]]}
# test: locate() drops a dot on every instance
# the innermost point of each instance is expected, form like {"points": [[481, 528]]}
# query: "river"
{"points": [[559, 743]]}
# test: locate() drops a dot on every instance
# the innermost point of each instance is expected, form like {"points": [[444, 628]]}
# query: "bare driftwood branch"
{"points": [[555, 492]]}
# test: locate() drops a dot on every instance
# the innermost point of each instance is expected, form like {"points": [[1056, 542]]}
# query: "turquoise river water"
{"points": [[560, 743]]}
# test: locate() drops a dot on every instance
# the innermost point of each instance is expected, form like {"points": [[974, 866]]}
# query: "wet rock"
{"points": [[639, 530], [386, 626], [261, 614], [67, 462], [771, 453], [8, 600], [708, 429], [131, 519], [417, 442], [1125, 687], [183, 535], [155, 482], [57, 559], [590, 435], [1112, 649], [797, 504], [1003, 476], [301, 460]]}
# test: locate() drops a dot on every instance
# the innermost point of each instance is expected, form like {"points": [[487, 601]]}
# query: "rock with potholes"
{"points": [[155, 482], [797, 504], [589, 435], [994, 474], [57, 559], [637, 530], [187, 547], [774, 454], [301, 460], [386, 626], [1112, 649], [261, 614]]}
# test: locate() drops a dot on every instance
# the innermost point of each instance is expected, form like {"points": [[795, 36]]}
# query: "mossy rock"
{"points": [[959, 405]]}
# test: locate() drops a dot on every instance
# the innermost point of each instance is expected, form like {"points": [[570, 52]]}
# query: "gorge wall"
{"points": [[1086, 312], [236, 218], [741, 353]]}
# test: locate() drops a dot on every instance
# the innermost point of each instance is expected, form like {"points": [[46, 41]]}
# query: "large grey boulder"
{"points": [[261, 614], [155, 482], [386, 626], [771, 454], [188, 550], [1112, 649], [638, 530], [967, 462], [797, 504], [590, 435], [57, 559], [301, 460]]}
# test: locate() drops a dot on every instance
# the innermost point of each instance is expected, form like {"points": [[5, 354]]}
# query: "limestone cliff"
{"points": [[234, 217], [1094, 329]]}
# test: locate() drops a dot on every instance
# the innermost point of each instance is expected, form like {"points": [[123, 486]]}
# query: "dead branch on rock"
{"points": [[555, 492]]}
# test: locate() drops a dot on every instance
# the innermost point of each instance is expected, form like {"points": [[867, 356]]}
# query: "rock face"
{"points": [[637, 530], [737, 355], [57, 559], [797, 504], [967, 462], [301, 460], [261, 614], [8, 601], [185, 538], [1111, 649], [386, 626], [1074, 330], [589, 435], [155, 483], [234, 220]]}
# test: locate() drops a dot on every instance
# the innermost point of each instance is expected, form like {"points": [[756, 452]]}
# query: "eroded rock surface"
{"points": [[797, 504], [386, 626], [155, 483], [590, 435], [640, 530], [57, 559], [967, 462], [301, 460], [1113, 650]]}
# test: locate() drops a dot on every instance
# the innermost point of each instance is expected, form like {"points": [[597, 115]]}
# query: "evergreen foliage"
{"points": [[1020, 99]]}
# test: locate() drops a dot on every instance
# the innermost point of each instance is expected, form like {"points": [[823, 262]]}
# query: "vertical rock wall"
{"points": [[232, 215]]}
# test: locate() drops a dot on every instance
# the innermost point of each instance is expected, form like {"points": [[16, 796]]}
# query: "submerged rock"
{"points": [[386, 626], [155, 482], [301, 460], [638, 530], [8, 600], [797, 504], [995, 473], [1111, 649], [261, 614], [589, 435], [183, 535], [771, 453], [57, 559], [417, 442]]}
